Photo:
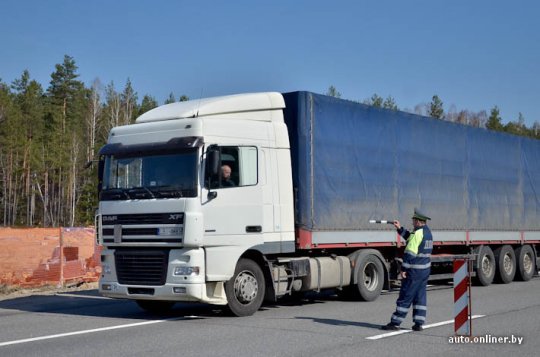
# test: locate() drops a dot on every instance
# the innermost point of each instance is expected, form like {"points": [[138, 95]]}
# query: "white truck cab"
{"points": [[172, 229]]}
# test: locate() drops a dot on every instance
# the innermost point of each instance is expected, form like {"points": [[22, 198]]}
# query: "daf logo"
{"points": [[109, 218], [174, 217]]}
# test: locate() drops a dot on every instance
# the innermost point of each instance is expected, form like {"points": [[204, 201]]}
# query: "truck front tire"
{"points": [[245, 290]]}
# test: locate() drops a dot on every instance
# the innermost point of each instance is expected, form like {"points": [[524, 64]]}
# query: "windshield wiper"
{"points": [[116, 193], [169, 190], [142, 188]]}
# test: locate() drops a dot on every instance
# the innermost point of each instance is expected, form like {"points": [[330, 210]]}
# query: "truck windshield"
{"points": [[160, 175]]}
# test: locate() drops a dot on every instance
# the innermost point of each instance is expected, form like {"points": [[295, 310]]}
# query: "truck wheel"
{"points": [[155, 306], [506, 264], [485, 265], [245, 290], [370, 277], [525, 262]]}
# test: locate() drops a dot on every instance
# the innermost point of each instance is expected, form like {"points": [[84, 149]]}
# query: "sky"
{"points": [[473, 54]]}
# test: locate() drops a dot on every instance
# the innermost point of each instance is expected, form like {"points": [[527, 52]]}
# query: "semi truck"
{"points": [[308, 173]]}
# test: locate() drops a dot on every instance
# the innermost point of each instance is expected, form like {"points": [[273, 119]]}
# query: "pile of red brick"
{"points": [[32, 257]]}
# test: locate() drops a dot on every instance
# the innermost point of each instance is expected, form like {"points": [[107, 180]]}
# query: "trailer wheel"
{"points": [[155, 306], [245, 290], [525, 263], [369, 278], [506, 264], [485, 265]]}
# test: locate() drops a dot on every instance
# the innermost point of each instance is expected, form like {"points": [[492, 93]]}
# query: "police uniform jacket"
{"points": [[417, 257]]}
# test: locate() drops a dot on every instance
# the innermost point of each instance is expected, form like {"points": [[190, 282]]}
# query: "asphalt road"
{"points": [[84, 324]]}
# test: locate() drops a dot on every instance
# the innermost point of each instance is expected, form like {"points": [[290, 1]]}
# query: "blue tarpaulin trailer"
{"points": [[353, 162]]}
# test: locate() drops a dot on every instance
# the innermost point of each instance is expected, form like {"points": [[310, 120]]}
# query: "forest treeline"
{"points": [[49, 135], [435, 109]]}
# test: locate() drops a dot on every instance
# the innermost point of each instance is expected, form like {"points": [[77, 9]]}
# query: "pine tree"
{"points": [[29, 101], [10, 152], [64, 87], [390, 103], [375, 101], [128, 103], [494, 121], [171, 99], [333, 92], [148, 103], [64, 147], [436, 108]]}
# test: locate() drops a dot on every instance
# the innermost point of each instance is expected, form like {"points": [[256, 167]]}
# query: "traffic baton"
{"points": [[383, 221]]}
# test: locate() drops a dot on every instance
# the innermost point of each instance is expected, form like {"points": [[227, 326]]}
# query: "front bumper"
{"points": [[210, 293]]}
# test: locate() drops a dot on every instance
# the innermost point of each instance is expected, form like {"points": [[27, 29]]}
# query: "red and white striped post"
{"points": [[462, 294]]}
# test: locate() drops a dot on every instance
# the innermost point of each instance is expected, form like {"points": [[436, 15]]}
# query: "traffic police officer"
{"points": [[414, 272]]}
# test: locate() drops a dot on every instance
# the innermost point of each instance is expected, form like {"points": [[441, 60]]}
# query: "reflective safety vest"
{"points": [[417, 257]]}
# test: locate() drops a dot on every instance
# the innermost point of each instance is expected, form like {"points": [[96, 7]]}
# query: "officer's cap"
{"points": [[419, 215]]}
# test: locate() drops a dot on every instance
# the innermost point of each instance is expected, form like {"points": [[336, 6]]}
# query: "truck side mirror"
{"points": [[101, 169], [213, 159], [212, 162]]}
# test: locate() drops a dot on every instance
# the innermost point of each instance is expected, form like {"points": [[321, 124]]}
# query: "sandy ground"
{"points": [[13, 292]]}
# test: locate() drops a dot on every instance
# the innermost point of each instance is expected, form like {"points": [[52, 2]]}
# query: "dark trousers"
{"points": [[413, 291]]}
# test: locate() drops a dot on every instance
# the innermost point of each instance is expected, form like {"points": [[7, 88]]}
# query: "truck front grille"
{"points": [[132, 231], [149, 229], [148, 218], [141, 267]]}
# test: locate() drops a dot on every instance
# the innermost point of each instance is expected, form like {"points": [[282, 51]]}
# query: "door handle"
{"points": [[253, 229]]}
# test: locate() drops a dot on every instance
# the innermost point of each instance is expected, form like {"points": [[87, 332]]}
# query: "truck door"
{"points": [[232, 200]]}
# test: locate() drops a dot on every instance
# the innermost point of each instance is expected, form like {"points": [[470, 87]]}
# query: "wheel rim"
{"points": [[486, 265], [508, 264], [371, 278], [245, 287], [527, 263]]}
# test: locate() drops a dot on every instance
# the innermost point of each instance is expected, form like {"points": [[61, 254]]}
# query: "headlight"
{"points": [[185, 270]]}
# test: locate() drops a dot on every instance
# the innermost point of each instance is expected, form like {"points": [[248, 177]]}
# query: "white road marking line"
{"points": [[399, 332], [388, 334], [84, 296], [7, 343]]}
